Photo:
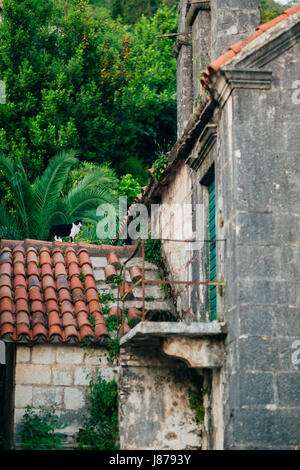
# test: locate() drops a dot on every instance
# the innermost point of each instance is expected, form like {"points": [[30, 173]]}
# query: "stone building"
{"points": [[232, 182], [235, 171], [53, 323]]}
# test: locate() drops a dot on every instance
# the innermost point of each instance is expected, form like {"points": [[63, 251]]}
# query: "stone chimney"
{"points": [[206, 29], [232, 21]]}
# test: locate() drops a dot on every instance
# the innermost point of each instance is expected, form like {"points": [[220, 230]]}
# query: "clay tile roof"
{"points": [[236, 48], [52, 291]]}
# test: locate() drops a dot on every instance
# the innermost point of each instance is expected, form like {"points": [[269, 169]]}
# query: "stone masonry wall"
{"points": [[216, 25], [183, 262], [48, 374], [232, 21], [154, 402], [184, 72], [258, 174]]}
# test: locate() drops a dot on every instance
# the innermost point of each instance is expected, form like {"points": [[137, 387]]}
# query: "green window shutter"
{"points": [[212, 251]]}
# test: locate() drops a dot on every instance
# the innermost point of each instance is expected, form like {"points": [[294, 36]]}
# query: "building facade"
{"points": [[236, 164]]}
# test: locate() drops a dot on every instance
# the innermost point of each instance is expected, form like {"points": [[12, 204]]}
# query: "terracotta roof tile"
{"points": [[64, 294], [46, 269], [101, 330], [135, 274], [5, 280], [71, 332], [22, 317], [5, 291], [23, 330], [74, 269], [113, 260], [90, 283], [48, 291], [56, 330], [19, 268], [45, 257], [7, 317], [76, 283], [236, 48], [6, 268], [94, 307], [110, 273], [87, 270], [33, 280], [39, 330], [125, 328], [19, 280], [21, 293], [60, 270], [82, 318], [35, 294]]}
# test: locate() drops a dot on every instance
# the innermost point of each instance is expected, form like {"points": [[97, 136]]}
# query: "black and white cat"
{"points": [[65, 230]]}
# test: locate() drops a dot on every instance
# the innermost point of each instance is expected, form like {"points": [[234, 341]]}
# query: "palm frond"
{"points": [[19, 185], [78, 201], [47, 189], [10, 227]]}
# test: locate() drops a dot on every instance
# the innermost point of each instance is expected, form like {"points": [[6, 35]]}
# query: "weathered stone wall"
{"points": [[153, 393], [232, 21], [184, 71], [48, 374], [186, 261], [201, 41], [258, 174], [154, 402], [214, 26]]}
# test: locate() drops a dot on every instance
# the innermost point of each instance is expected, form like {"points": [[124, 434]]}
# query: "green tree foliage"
{"points": [[39, 430], [36, 206], [149, 99], [130, 11], [270, 9], [129, 187], [89, 83]]}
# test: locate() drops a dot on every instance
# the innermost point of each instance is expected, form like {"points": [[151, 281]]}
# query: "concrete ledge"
{"points": [[199, 345], [151, 330]]}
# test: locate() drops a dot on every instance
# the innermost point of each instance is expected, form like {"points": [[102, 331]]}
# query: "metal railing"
{"points": [[143, 281]]}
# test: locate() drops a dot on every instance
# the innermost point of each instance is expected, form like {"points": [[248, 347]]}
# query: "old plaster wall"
{"points": [[154, 402], [232, 21], [181, 215], [258, 174], [48, 374]]}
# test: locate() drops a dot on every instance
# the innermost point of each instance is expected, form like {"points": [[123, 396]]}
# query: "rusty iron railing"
{"points": [[144, 281]]}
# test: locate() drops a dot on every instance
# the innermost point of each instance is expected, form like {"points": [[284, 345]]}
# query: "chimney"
{"points": [[232, 21], [207, 28]]}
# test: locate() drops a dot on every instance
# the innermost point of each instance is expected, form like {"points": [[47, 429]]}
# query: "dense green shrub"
{"points": [[39, 429], [100, 425]]}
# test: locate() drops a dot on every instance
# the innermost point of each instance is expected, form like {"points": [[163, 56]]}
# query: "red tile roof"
{"points": [[236, 48], [48, 291]]}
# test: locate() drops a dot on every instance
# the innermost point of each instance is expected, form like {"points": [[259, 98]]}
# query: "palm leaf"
{"points": [[47, 190], [78, 202], [20, 187], [10, 227]]}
